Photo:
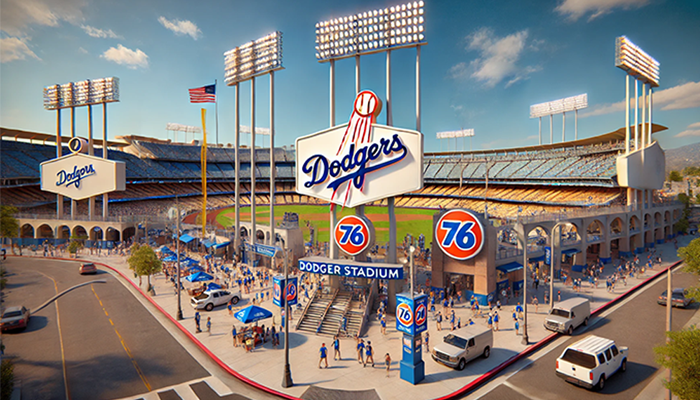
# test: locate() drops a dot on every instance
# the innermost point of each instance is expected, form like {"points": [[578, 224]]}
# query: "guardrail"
{"points": [[306, 307]]}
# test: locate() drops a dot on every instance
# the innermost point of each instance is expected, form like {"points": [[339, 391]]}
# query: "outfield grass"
{"points": [[319, 218]]}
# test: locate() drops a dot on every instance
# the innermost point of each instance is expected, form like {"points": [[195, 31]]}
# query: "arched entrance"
{"points": [[96, 233], [112, 235], [79, 232], [26, 231], [63, 232], [128, 233], [45, 232], [508, 244]]}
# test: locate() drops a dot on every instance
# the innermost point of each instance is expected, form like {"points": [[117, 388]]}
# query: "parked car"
{"points": [[568, 315], [463, 345], [213, 298], [87, 268], [678, 298], [14, 318], [590, 361]]}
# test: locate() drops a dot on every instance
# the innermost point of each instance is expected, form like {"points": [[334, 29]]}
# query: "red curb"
{"points": [[496, 370], [182, 328]]}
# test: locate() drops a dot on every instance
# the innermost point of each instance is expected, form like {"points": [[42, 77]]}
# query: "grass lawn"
{"points": [[319, 218]]}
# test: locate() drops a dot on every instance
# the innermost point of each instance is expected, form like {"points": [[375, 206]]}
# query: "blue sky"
{"points": [[484, 65]]}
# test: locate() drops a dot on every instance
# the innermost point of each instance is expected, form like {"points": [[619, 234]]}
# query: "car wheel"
{"points": [[585, 322], [601, 382], [623, 367], [487, 352], [570, 331], [209, 307], [462, 364], [235, 300]]}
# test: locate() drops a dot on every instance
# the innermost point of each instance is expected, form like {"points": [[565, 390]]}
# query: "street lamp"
{"points": [[522, 236], [287, 378], [177, 248], [411, 250]]}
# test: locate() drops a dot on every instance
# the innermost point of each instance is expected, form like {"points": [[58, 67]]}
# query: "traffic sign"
{"points": [[459, 234]]}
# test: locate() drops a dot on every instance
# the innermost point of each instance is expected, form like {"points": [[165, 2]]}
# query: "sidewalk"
{"points": [[265, 365]]}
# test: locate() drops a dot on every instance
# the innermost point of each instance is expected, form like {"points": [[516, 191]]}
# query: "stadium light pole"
{"points": [[177, 239], [522, 237]]}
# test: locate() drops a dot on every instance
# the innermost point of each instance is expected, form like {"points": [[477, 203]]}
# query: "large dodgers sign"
{"points": [[327, 266], [80, 176], [359, 162]]}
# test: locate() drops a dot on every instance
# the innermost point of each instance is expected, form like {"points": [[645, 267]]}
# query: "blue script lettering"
{"points": [[74, 178], [354, 163]]}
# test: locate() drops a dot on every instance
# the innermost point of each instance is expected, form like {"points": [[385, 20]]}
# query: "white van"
{"points": [[464, 345], [590, 361], [568, 315]]}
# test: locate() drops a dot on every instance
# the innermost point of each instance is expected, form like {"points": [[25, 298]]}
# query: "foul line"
{"points": [[60, 338], [126, 348]]}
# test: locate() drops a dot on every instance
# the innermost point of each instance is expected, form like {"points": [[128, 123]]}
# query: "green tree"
{"points": [[9, 226], [691, 171], [675, 176], [690, 255], [76, 243], [697, 198], [7, 380], [144, 261]]}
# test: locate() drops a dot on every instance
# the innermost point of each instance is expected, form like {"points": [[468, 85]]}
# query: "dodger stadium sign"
{"points": [[359, 162], [80, 176]]}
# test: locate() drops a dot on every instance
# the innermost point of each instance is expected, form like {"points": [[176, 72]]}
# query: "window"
{"points": [[601, 358], [455, 341], [578, 358], [608, 355], [216, 295], [471, 342], [573, 315], [615, 351]]}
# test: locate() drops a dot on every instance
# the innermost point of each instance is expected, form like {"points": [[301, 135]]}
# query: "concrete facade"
{"points": [[45, 228]]}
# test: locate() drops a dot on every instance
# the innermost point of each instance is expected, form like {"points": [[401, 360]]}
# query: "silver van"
{"points": [[464, 345], [568, 315]]}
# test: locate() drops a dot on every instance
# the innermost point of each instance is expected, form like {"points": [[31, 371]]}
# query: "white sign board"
{"points": [[559, 106], [455, 134], [80, 176], [332, 166]]}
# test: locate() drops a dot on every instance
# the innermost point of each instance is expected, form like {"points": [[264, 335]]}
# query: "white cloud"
{"points": [[18, 15], [12, 48], [575, 9], [100, 33], [691, 130], [678, 97], [125, 56], [498, 58], [181, 27]]}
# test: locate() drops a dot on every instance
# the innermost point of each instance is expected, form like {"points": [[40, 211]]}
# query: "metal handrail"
{"points": [[306, 308], [325, 312]]}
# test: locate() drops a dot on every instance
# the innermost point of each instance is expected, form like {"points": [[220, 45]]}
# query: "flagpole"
{"points": [[216, 110]]}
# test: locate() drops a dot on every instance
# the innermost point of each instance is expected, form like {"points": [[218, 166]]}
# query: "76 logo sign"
{"points": [[459, 234], [352, 234]]}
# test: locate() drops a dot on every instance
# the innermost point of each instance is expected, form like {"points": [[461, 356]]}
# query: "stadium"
{"points": [[573, 184]]}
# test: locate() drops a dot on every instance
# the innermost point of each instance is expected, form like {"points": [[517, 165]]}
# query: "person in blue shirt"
{"points": [[370, 354], [323, 353], [336, 348], [383, 322], [344, 325], [235, 338], [197, 318], [360, 348], [518, 308], [471, 322], [490, 322], [495, 320]]}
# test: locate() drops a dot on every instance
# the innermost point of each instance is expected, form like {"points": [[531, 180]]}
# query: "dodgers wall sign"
{"points": [[359, 162], [80, 176], [353, 234], [459, 234]]}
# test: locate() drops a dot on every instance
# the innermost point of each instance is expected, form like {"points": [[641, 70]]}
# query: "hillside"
{"points": [[681, 157]]}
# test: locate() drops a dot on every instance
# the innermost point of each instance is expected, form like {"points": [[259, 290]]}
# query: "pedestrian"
{"points": [[427, 339], [336, 348], [495, 319], [209, 325], [277, 338], [515, 314], [344, 325], [323, 353], [536, 303], [490, 321], [387, 361], [517, 328], [360, 348], [459, 323], [383, 322], [369, 353], [197, 318], [233, 335], [438, 321], [470, 322], [558, 295], [452, 320], [230, 307]]}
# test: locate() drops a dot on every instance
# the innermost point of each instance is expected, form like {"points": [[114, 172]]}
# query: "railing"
{"points": [[98, 218], [590, 212], [306, 307], [368, 309], [328, 307]]}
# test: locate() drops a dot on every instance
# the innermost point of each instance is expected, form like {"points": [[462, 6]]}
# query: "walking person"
{"points": [[490, 321], [387, 361], [209, 325], [336, 348], [360, 348], [369, 353], [517, 328], [233, 334], [427, 339], [323, 353], [438, 321], [383, 322], [197, 318], [495, 320]]}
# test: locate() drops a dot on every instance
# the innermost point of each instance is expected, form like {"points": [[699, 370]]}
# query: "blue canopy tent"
{"points": [[510, 267], [170, 258], [212, 286], [220, 245], [199, 277], [186, 238], [252, 314], [194, 268]]}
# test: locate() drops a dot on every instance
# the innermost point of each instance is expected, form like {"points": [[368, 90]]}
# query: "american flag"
{"points": [[204, 94]]}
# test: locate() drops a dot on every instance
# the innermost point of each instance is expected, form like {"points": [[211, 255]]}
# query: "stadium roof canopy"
{"points": [[45, 137], [607, 137]]}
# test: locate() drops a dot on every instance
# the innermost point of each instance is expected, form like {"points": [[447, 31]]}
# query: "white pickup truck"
{"points": [[590, 361]]}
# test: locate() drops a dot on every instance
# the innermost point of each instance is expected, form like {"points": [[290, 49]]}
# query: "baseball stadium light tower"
{"points": [[561, 106], [175, 128], [77, 94], [257, 58], [462, 133]]}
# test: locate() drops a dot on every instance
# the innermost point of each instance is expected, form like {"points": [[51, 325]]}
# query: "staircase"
{"points": [[332, 321], [355, 315], [315, 312]]}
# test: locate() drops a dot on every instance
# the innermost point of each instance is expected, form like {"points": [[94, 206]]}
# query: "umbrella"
{"points": [[252, 314], [213, 286], [199, 277]]}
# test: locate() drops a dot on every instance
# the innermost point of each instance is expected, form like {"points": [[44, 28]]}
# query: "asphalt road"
{"points": [[113, 347], [640, 325]]}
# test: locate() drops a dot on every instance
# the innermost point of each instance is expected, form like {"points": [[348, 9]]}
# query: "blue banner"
{"points": [[263, 250], [547, 255], [347, 268], [411, 314], [290, 291]]}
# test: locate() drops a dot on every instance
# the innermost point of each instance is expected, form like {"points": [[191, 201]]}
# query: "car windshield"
{"points": [[456, 341], [561, 313], [578, 358], [11, 314], [202, 296]]}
